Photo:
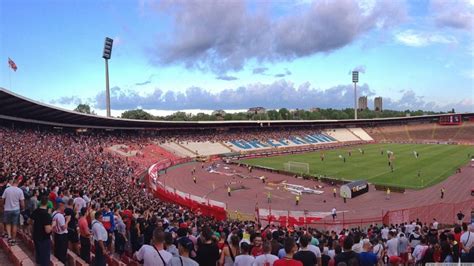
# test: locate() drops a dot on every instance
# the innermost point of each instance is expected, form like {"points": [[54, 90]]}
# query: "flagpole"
{"points": [[10, 78]]}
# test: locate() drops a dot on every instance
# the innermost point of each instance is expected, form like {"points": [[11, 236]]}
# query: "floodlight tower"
{"points": [[355, 79], [106, 55]]}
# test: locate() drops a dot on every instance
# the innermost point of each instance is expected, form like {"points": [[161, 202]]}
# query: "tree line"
{"points": [[277, 114]]}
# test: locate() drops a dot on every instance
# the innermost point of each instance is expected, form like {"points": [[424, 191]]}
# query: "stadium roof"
{"points": [[18, 108]]}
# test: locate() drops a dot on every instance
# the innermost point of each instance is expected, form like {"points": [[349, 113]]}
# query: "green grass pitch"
{"points": [[435, 163]]}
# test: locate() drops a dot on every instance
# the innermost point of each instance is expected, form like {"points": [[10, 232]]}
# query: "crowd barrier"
{"points": [[197, 204], [320, 220], [444, 213]]}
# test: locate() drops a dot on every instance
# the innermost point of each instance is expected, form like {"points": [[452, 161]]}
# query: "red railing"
{"points": [[444, 213], [197, 204]]}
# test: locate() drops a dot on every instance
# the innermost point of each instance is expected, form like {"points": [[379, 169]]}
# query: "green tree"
{"points": [[137, 114], [284, 113], [84, 108], [273, 115]]}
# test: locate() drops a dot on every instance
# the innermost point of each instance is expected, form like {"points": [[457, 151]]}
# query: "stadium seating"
{"points": [[206, 148], [178, 150], [360, 133], [426, 132], [342, 134]]}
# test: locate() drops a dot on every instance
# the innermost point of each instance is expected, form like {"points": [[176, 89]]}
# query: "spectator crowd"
{"points": [[66, 187]]}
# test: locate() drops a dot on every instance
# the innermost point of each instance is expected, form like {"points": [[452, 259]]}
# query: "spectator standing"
{"points": [[244, 258], [257, 248], [185, 246], [460, 217], [79, 201], [120, 235], [100, 236], [266, 259], [307, 257], [367, 257], [290, 249], [13, 203], [347, 256], [42, 227], [467, 242], [230, 251], [109, 223], [155, 254], [403, 247], [85, 236], [207, 252], [60, 231], [71, 217]]}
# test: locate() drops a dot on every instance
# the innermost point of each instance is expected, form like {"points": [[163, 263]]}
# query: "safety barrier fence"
{"points": [[444, 213], [197, 204]]}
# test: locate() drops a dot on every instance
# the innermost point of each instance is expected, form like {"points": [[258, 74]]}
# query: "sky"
{"points": [[233, 55]]}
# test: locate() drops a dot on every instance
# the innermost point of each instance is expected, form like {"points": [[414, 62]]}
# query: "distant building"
{"points": [[315, 109], [363, 103], [378, 104], [256, 110]]}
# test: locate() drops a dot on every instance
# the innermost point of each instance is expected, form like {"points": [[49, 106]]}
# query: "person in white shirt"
{"points": [[420, 250], [13, 203], [185, 245], [244, 259], [100, 236], [154, 255], [316, 251], [265, 259], [392, 245], [357, 246], [79, 202], [60, 231], [467, 239], [334, 213], [435, 224], [384, 233], [378, 249]]}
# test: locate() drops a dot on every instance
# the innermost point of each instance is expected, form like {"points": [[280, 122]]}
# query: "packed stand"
{"points": [[70, 190]]}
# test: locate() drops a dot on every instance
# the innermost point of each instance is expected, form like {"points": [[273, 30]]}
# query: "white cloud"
{"points": [[422, 39]]}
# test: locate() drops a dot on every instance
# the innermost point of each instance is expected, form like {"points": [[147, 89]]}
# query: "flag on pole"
{"points": [[12, 64]]}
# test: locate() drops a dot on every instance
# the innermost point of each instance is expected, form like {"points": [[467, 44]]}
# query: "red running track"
{"points": [[370, 205]]}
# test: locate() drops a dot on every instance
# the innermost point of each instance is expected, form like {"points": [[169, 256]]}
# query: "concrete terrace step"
{"points": [[4, 259], [16, 255]]}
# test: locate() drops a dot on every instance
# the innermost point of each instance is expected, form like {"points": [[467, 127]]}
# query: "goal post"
{"points": [[296, 167]]}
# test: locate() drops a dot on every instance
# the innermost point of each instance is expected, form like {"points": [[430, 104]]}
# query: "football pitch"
{"points": [[434, 163]]}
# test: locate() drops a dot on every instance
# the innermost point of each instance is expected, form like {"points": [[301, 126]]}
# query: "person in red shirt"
{"points": [[290, 249], [257, 248], [85, 235], [127, 217]]}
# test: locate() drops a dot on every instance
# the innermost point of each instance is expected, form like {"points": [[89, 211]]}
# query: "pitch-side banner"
{"points": [[291, 217]]}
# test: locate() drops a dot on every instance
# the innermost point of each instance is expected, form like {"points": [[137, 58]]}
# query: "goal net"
{"points": [[297, 167]]}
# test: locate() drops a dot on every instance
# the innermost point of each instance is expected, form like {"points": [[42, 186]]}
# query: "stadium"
{"points": [[287, 174], [237, 132]]}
